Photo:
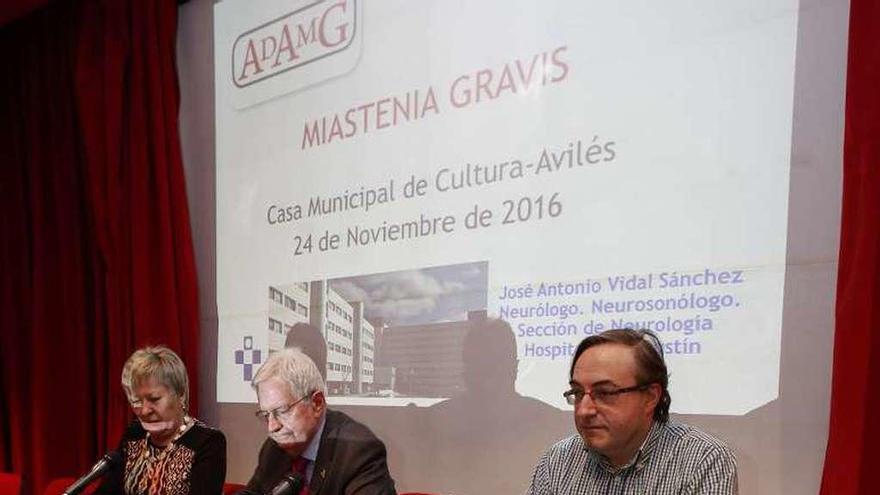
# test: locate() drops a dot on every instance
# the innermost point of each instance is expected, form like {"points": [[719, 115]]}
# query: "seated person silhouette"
{"points": [[475, 430], [311, 342]]}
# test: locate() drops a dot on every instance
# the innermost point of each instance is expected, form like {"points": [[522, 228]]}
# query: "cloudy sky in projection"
{"points": [[426, 295]]}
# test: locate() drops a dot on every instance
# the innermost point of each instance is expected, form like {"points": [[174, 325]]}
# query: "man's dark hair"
{"points": [[648, 351]]}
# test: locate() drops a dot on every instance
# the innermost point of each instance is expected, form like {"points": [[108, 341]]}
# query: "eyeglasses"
{"points": [[602, 396], [279, 412]]}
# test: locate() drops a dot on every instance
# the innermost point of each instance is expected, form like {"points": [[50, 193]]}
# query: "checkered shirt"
{"points": [[675, 459]]}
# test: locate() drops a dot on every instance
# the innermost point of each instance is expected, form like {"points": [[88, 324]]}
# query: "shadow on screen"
{"points": [[468, 440]]}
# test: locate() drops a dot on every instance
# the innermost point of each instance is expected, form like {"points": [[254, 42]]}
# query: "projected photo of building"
{"points": [[394, 335]]}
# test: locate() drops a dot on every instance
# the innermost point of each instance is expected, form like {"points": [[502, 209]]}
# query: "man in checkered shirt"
{"points": [[626, 443]]}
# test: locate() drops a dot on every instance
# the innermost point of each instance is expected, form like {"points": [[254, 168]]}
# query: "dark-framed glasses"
{"points": [[602, 396], [279, 412]]}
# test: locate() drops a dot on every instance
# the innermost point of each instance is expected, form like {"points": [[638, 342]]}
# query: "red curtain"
{"points": [[851, 458], [96, 253]]}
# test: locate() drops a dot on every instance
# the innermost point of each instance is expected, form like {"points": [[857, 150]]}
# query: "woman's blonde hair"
{"points": [[157, 362]]}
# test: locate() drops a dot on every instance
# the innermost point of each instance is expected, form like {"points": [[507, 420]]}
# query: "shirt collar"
{"points": [[311, 452]]}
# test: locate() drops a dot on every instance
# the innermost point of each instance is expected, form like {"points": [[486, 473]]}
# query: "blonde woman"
{"points": [[165, 451]]}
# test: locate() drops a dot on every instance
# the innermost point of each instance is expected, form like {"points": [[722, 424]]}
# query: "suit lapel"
{"points": [[279, 466], [323, 464]]}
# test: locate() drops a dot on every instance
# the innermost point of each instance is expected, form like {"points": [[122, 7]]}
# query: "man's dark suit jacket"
{"points": [[351, 460]]}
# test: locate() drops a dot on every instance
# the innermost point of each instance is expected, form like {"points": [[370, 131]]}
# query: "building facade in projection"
{"points": [[349, 337], [288, 305], [427, 359]]}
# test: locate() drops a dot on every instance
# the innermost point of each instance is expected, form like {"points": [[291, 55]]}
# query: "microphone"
{"points": [[291, 484], [110, 460]]}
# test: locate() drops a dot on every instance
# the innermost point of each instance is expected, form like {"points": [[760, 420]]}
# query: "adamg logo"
{"points": [[315, 32]]}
